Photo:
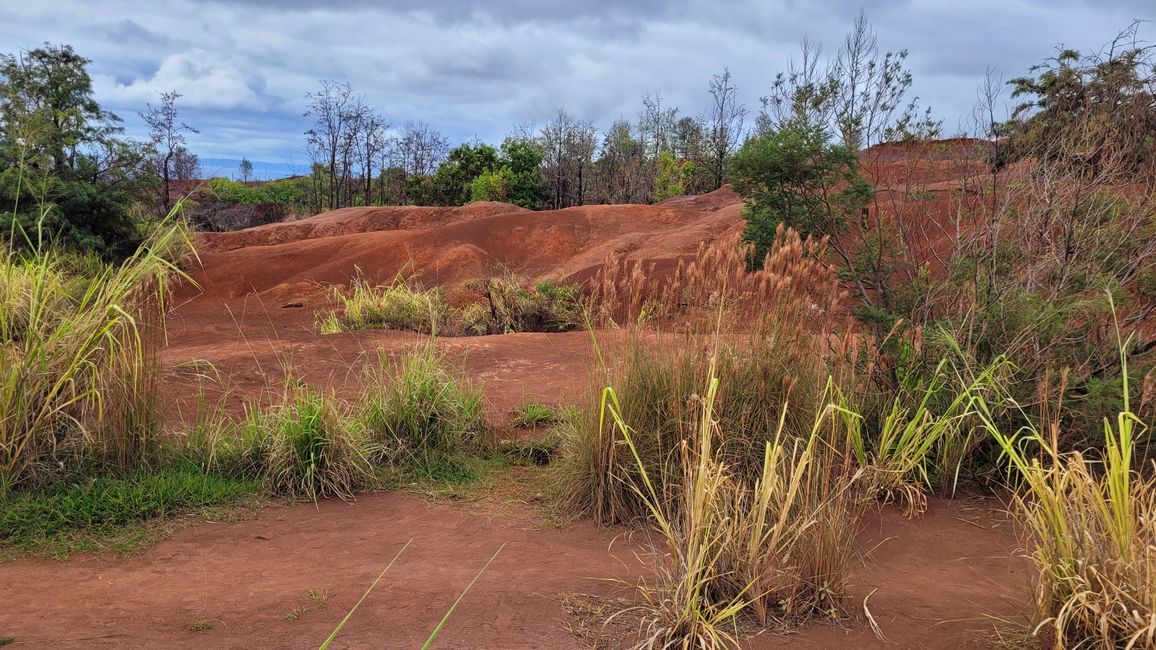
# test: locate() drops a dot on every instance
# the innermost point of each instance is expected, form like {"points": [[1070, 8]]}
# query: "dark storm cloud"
{"points": [[476, 69]]}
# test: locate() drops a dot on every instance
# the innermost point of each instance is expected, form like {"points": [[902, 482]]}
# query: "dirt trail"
{"points": [[931, 581]]}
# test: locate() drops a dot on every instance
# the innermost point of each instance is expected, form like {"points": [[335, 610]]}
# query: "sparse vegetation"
{"points": [[509, 305], [532, 415]]}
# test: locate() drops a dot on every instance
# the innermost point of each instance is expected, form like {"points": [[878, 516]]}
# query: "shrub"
{"points": [[419, 413], [313, 450], [512, 305]]}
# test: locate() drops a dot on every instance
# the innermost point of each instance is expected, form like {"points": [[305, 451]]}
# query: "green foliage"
{"points": [[673, 177], [796, 176], [452, 183], [103, 503], [420, 414], [523, 158], [63, 171], [313, 450], [1071, 100], [492, 185]]}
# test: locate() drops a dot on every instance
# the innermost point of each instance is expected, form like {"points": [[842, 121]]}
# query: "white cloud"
{"points": [[203, 79]]}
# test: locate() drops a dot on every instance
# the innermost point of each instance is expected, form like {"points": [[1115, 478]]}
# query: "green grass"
{"points": [[75, 516], [532, 415], [421, 414], [394, 306]]}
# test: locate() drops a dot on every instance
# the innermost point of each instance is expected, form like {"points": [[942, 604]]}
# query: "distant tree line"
{"points": [[358, 158]]}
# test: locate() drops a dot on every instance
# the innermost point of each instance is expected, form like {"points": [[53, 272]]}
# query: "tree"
{"points": [[569, 145], [860, 95], [418, 152], [246, 170], [334, 108], [62, 164], [452, 182], [167, 137], [724, 126], [522, 156], [797, 177], [1079, 108]]}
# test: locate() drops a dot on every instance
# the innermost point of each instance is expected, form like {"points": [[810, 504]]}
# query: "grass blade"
{"points": [[441, 624], [337, 630]]}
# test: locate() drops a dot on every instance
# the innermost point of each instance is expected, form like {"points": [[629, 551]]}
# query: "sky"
{"points": [[475, 70]]}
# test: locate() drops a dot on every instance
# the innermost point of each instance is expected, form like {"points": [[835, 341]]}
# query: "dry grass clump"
{"points": [[775, 549], [793, 285], [396, 306], [1091, 522], [78, 357]]}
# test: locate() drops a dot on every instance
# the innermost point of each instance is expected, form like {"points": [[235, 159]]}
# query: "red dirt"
{"points": [[932, 581]]}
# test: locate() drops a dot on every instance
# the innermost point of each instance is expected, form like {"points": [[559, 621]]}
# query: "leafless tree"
{"points": [[569, 146], [173, 160], [724, 125]]}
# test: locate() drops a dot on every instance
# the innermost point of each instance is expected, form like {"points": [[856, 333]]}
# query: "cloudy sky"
{"points": [[475, 69]]}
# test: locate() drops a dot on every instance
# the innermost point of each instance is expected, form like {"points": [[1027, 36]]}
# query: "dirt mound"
{"points": [[351, 221], [298, 260]]}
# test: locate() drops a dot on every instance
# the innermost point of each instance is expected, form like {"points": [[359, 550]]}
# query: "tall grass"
{"points": [[656, 378], [397, 306], [1091, 521], [78, 356], [775, 548], [925, 436], [420, 413]]}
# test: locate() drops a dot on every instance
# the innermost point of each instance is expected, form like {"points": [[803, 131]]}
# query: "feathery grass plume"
{"points": [[313, 451], [1091, 521], [794, 285], [420, 412], [397, 306], [78, 363]]}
